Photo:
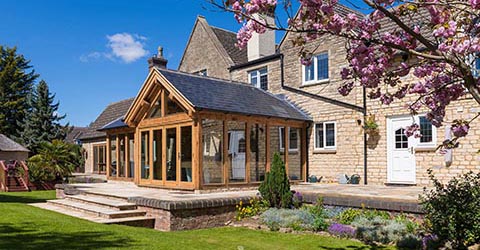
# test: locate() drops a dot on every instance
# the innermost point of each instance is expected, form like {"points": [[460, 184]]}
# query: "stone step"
{"points": [[138, 221], [103, 201], [96, 210]]}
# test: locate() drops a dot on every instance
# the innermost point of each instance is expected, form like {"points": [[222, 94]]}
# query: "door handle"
{"points": [[411, 150]]}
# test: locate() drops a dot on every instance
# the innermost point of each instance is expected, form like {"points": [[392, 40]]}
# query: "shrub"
{"points": [[348, 216], [342, 230], [378, 229], [412, 226], [54, 161], [297, 199], [453, 210], [297, 219], [255, 207], [276, 187]]}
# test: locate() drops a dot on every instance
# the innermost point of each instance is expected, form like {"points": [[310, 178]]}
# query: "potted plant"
{"points": [[370, 126]]}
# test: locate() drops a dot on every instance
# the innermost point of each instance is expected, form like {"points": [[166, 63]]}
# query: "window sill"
{"points": [[314, 83], [426, 149], [325, 151]]}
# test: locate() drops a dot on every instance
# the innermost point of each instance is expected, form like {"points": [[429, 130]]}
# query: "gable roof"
{"points": [[228, 39], [223, 40], [111, 113], [7, 144], [75, 134], [208, 93]]}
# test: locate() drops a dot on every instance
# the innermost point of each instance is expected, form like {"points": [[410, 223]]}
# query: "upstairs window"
{"points": [[259, 78], [476, 66], [317, 71]]}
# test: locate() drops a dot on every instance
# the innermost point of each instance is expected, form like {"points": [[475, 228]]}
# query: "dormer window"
{"points": [[259, 78], [202, 72], [317, 71]]}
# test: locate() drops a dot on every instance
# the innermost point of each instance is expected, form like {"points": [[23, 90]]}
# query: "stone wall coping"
{"points": [[188, 204]]}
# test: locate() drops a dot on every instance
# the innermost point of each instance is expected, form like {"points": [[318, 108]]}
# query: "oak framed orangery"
{"points": [[193, 132]]}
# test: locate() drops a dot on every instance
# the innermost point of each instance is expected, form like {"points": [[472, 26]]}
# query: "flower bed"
{"points": [[370, 226]]}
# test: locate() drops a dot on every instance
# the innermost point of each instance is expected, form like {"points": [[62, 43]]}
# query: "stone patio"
{"points": [[173, 210]]}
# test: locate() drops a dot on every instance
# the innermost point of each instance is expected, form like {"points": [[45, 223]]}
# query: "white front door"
{"points": [[400, 151], [237, 153]]}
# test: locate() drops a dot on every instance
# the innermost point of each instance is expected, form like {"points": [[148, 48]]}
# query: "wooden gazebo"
{"points": [[185, 131]]}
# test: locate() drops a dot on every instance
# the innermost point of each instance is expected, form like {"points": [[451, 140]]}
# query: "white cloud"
{"points": [[127, 47], [124, 46]]}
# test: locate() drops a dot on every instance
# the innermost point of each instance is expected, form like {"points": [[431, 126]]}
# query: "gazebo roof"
{"points": [[8, 145]]}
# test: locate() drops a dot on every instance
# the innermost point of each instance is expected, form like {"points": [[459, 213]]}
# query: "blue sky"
{"points": [[93, 52]]}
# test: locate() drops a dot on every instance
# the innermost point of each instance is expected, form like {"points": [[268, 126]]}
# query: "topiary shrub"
{"points": [[276, 187], [452, 211]]}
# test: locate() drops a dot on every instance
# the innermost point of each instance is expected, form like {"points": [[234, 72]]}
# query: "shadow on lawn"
{"points": [[20, 198], [25, 236], [354, 248]]}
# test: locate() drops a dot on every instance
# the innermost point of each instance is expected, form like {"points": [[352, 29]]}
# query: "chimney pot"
{"points": [[158, 60]]}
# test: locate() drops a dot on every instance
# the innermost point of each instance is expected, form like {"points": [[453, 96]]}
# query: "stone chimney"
{"points": [[157, 60], [261, 45]]}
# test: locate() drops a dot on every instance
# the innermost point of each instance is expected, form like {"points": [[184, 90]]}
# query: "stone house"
{"points": [[336, 142], [94, 142]]}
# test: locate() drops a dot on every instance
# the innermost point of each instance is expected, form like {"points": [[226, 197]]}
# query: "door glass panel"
{"points": [[157, 154], [131, 155], [186, 154], [401, 140], [96, 159], [144, 155], [294, 155], [121, 159], [236, 151], [102, 155], [113, 156], [171, 148]]}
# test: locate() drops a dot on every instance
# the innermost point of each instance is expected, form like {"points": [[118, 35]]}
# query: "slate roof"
{"points": [[7, 144], [111, 113], [228, 40], [235, 97], [117, 123], [76, 133]]}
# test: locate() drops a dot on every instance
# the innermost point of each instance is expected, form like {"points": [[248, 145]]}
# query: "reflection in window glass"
{"points": [[294, 156], [212, 136], [144, 156], [186, 153], [157, 154], [257, 152], [131, 155], [426, 130], [171, 154], [121, 160], [113, 156]]}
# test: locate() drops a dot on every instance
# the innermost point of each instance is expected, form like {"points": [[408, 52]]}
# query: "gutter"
{"points": [[363, 110]]}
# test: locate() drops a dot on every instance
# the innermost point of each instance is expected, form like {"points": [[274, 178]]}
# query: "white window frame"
{"points": [[433, 143], [259, 75], [282, 140], [315, 70], [325, 147]]}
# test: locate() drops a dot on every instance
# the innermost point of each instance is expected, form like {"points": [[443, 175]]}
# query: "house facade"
{"points": [[94, 142], [336, 143]]}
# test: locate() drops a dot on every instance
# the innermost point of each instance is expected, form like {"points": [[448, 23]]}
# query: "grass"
{"points": [[26, 227]]}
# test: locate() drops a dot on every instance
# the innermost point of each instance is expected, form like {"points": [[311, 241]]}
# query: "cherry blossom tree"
{"points": [[437, 39]]}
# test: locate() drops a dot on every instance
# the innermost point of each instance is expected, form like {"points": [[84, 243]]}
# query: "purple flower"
{"points": [[460, 128], [342, 230], [427, 239]]}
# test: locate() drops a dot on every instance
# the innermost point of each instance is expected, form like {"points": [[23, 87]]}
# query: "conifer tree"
{"points": [[42, 123], [16, 81], [276, 187]]}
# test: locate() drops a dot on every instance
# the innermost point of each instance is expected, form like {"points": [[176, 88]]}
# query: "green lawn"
{"points": [[27, 227]]}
